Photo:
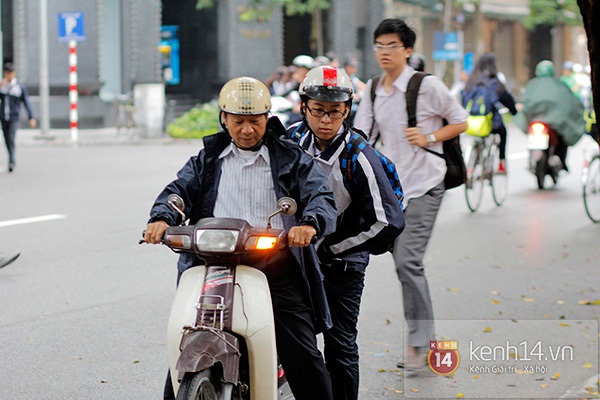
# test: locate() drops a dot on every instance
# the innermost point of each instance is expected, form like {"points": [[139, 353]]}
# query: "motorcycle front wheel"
{"points": [[198, 386]]}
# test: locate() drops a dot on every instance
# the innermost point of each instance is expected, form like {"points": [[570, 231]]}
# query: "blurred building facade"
{"points": [[121, 48]]}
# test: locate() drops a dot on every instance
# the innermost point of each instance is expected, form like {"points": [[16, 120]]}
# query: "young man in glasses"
{"points": [[421, 172], [369, 212]]}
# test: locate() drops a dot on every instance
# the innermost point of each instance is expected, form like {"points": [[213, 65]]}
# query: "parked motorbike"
{"points": [[221, 332], [543, 161]]}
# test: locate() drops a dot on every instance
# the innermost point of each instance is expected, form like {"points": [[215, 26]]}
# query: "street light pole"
{"points": [[44, 75]]}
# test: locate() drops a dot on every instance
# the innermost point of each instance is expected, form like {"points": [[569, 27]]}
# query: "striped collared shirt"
{"points": [[246, 189]]}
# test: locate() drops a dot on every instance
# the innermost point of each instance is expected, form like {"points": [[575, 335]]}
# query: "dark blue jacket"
{"points": [[294, 174], [15, 94], [369, 213]]}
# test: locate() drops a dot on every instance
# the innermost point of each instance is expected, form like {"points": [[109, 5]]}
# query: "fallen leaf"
{"points": [[475, 376], [460, 396], [555, 376], [544, 385], [387, 322], [103, 381], [528, 299], [495, 301], [564, 324], [414, 390], [382, 370], [560, 301], [496, 293], [487, 329], [452, 289], [587, 365], [136, 361]]}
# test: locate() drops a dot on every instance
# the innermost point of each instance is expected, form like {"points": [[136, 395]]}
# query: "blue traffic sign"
{"points": [[446, 46], [71, 26]]}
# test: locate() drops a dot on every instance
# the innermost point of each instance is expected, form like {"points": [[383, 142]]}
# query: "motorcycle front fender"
{"points": [[201, 349]]}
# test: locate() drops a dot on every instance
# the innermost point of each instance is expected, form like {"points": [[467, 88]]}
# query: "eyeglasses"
{"points": [[390, 47], [321, 113]]}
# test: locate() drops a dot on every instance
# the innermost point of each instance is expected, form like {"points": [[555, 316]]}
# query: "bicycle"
{"points": [[590, 179], [125, 110], [482, 156]]}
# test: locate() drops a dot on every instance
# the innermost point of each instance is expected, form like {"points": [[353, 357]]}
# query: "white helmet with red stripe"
{"points": [[327, 83]]}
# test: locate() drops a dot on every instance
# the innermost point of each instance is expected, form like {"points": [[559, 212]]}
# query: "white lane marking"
{"points": [[32, 220]]}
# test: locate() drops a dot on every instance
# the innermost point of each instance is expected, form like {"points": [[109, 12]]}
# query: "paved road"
{"points": [[85, 307]]}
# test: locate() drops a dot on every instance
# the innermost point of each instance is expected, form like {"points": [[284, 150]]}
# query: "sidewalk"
{"points": [[88, 137]]}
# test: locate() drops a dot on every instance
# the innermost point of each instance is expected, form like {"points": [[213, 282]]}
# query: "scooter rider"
{"points": [[549, 100], [240, 173], [368, 213]]}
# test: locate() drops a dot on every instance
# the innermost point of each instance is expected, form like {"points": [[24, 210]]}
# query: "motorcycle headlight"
{"points": [[216, 240]]}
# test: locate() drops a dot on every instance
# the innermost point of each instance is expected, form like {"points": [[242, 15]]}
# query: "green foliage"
{"points": [[263, 9], [196, 123], [552, 12]]}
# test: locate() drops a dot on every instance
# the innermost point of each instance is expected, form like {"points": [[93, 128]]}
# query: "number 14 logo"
{"points": [[443, 357]]}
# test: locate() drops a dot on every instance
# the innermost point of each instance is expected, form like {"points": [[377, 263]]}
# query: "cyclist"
{"points": [[486, 74]]}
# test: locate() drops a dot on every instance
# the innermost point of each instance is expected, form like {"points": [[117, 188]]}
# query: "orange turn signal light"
{"points": [[261, 242]]}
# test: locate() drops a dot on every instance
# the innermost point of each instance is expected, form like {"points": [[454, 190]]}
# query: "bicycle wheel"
{"points": [[474, 185], [591, 189], [498, 181]]}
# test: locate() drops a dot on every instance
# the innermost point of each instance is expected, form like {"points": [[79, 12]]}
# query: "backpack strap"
{"points": [[349, 156], [298, 133], [374, 83], [412, 91]]}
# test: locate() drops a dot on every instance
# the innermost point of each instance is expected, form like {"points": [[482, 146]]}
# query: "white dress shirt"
{"points": [[246, 189], [419, 170]]}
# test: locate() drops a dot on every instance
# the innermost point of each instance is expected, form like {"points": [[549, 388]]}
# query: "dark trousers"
{"points": [[344, 289], [9, 128], [294, 330], [501, 130]]}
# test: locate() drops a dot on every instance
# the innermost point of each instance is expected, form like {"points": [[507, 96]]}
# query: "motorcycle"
{"points": [[221, 335], [542, 142]]}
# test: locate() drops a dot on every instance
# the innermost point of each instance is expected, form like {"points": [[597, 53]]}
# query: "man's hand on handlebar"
{"points": [[155, 232], [301, 236]]}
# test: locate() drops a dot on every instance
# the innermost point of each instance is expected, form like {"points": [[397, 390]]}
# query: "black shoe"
{"points": [[11, 167]]}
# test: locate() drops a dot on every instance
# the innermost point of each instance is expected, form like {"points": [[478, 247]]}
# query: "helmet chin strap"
{"points": [[256, 147], [327, 141]]}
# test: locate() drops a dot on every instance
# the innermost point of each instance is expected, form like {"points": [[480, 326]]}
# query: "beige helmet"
{"points": [[245, 96], [327, 84]]}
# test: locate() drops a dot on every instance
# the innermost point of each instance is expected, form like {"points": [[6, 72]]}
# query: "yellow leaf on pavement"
{"points": [[587, 365], [555, 376], [528, 299], [487, 329], [460, 396]]}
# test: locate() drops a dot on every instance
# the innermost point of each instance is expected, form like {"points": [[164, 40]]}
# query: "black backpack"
{"points": [[456, 173]]}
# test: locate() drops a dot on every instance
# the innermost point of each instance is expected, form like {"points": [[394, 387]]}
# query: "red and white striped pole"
{"points": [[73, 94]]}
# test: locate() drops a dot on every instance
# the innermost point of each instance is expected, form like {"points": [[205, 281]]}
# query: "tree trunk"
{"points": [[590, 11]]}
